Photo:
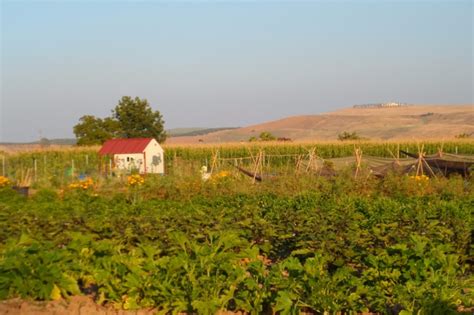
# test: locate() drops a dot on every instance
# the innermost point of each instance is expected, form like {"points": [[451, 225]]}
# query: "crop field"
{"points": [[58, 167], [293, 244]]}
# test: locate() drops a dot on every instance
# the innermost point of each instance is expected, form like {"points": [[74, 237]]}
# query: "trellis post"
{"points": [[35, 167]]}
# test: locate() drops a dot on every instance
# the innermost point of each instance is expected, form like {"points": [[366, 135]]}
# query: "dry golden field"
{"points": [[400, 124]]}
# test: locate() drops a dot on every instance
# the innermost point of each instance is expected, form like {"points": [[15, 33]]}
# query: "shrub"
{"points": [[348, 136]]}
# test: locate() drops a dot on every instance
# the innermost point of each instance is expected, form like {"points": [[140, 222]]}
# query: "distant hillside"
{"points": [[65, 141], [408, 122], [36, 145], [189, 132], [61, 141], [176, 132]]}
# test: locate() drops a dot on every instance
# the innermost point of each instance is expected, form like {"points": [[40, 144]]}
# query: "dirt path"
{"points": [[77, 305]]}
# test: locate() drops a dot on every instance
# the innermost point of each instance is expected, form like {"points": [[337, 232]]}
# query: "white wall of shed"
{"points": [[154, 149], [135, 161]]}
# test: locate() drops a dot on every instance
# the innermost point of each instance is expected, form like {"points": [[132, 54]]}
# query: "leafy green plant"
{"points": [[289, 245], [29, 270]]}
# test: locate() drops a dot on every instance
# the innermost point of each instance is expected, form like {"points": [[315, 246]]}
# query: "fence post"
{"points": [[3, 165], [44, 165], [35, 167], [72, 168]]}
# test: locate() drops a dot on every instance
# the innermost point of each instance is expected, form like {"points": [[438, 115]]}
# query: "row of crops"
{"points": [[324, 150], [392, 246], [60, 166]]}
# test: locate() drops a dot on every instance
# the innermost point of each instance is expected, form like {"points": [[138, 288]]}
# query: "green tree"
{"points": [[137, 119], [266, 136], [44, 142], [92, 130], [131, 118]]}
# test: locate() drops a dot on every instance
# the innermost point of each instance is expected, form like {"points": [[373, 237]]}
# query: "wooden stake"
{"points": [[251, 155], [429, 168], [358, 156], [175, 163], [35, 168], [257, 166], [214, 160], [440, 150], [419, 168], [310, 160], [298, 164], [44, 165], [3, 165]]}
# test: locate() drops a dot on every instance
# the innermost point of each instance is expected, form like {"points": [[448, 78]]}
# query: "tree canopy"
{"points": [[137, 119], [264, 136], [131, 118]]}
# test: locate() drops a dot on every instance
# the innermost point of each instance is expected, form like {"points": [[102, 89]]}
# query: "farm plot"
{"points": [[56, 168], [175, 244], [295, 243]]}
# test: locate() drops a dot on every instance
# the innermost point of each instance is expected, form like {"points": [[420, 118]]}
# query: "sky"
{"points": [[225, 63]]}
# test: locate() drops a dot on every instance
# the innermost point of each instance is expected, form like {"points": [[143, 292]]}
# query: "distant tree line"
{"points": [[348, 136], [264, 136], [131, 118], [463, 135]]}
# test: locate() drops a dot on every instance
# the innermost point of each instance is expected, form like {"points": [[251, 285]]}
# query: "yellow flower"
{"points": [[55, 293], [219, 176], [420, 177], [84, 184], [4, 181], [135, 180], [223, 174]]}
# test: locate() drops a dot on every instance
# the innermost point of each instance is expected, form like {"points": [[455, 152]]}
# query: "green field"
{"points": [[397, 245]]}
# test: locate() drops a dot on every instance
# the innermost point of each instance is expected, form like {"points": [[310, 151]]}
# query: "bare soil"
{"points": [[77, 305], [85, 305]]}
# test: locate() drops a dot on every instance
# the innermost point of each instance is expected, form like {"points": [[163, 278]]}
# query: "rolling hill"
{"points": [[184, 132], [408, 122]]}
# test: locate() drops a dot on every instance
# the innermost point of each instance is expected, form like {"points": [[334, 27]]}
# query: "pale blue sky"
{"points": [[227, 63]]}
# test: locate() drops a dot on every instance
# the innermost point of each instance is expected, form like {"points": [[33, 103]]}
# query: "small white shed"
{"points": [[142, 154]]}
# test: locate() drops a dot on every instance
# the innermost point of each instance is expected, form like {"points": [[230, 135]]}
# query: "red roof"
{"points": [[121, 146]]}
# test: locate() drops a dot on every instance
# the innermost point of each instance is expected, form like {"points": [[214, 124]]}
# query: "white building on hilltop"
{"points": [[381, 105]]}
